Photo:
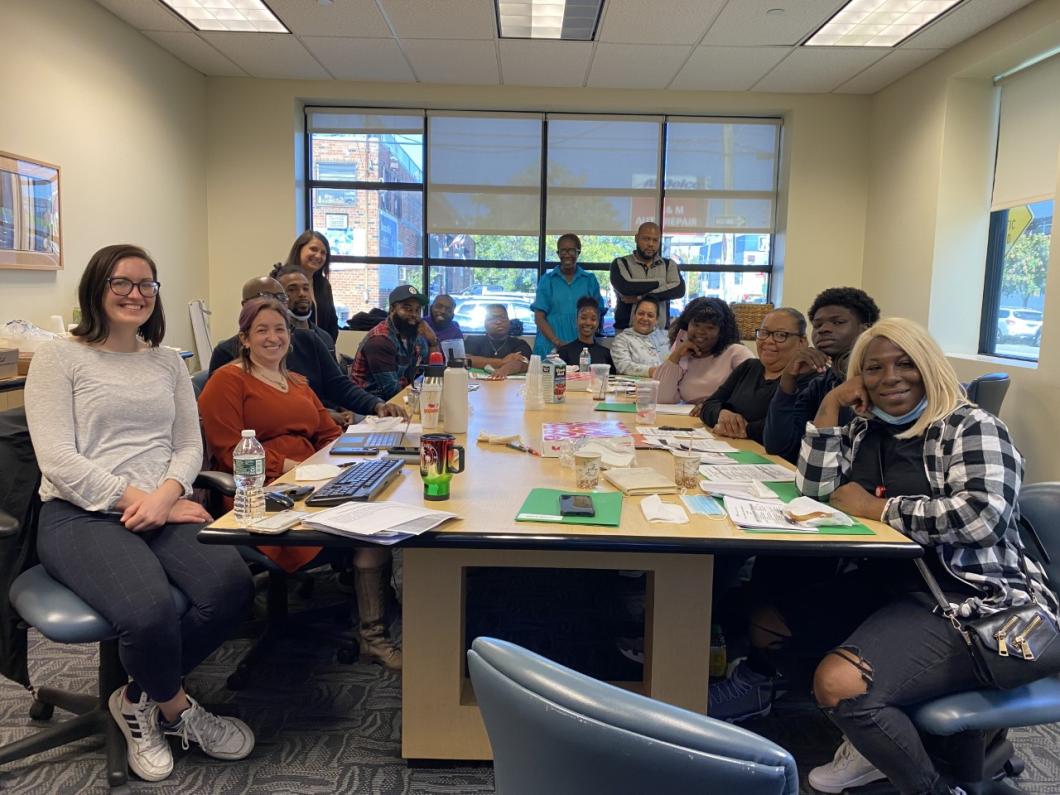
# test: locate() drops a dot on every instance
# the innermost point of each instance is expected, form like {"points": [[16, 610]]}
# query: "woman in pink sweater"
{"points": [[705, 349]]}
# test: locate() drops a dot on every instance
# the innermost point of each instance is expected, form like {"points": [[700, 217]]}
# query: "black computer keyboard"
{"points": [[361, 481]]}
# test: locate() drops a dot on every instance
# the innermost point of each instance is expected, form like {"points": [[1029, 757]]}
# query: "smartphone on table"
{"points": [[576, 505]]}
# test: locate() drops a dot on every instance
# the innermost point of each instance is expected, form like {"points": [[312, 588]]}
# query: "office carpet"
{"points": [[326, 727]]}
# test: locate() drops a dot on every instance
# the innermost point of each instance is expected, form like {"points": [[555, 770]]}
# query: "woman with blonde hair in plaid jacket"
{"points": [[924, 460]]}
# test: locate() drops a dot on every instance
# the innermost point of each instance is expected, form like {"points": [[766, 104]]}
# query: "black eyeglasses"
{"points": [[119, 286], [779, 336], [281, 297]]}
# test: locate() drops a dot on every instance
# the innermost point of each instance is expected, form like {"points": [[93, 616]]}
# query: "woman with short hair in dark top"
{"points": [[738, 408], [312, 253], [588, 321]]}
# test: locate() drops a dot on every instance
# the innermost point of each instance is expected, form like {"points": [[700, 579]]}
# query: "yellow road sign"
{"points": [[1019, 218]]}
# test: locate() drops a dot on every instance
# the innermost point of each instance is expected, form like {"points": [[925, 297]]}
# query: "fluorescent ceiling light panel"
{"points": [[878, 23], [251, 16], [573, 20]]}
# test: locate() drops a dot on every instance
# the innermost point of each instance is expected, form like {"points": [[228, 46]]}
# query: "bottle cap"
{"points": [[436, 358], [249, 433]]}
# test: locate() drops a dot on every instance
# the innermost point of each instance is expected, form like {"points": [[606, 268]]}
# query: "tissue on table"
{"points": [[617, 453], [811, 513], [655, 510]]}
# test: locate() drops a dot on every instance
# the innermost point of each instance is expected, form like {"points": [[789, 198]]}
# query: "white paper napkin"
{"points": [[655, 510], [316, 472], [805, 510]]}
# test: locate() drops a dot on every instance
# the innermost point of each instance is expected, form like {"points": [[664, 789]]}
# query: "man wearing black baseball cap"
{"points": [[389, 354]]}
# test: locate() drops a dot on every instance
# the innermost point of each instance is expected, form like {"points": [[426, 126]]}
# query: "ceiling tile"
{"points": [[146, 15], [196, 53], [963, 22], [441, 19], [672, 22], [273, 55], [635, 65], [544, 63], [361, 59], [727, 68], [358, 18], [472, 62], [746, 23], [819, 69], [886, 70]]}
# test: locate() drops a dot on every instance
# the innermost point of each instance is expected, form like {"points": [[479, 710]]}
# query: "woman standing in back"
{"points": [[114, 426], [312, 253]]}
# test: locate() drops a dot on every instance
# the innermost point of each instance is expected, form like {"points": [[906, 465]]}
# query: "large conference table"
{"points": [[440, 719]]}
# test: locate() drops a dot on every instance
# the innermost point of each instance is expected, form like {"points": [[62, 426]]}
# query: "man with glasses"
{"points": [[556, 302], [300, 302], [310, 357], [645, 272]]}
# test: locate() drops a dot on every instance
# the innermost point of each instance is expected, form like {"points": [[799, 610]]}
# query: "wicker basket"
{"points": [[749, 317]]}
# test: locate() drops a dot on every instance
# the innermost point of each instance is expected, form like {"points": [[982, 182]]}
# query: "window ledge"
{"points": [[1022, 364]]}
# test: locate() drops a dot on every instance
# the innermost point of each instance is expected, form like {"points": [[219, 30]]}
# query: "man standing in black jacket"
{"points": [[645, 272]]}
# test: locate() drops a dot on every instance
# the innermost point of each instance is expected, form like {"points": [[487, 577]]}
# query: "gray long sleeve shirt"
{"points": [[101, 421]]}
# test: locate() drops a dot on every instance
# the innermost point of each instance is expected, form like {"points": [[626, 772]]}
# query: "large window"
{"points": [[1021, 221], [472, 204]]}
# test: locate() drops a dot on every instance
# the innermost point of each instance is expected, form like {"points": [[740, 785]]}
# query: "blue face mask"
{"points": [[909, 416]]}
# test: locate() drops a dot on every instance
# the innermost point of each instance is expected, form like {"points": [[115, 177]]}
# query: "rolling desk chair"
{"points": [[61, 616], [975, 724], [988, 391], [558, 731]]}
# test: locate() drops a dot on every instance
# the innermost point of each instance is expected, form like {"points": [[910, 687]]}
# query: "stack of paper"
{"points": [[378, 522], [743, 489], [803, 515], [748, 472]]}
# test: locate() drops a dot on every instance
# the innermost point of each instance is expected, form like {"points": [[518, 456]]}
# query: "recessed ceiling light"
{"points": [[878, 23], [252, 16], [573, 20]]}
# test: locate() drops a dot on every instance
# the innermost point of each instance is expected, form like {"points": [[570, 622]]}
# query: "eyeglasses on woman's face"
{"points": [[780, 336], [121, 286]]}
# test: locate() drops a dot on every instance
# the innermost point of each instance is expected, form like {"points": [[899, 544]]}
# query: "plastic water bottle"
{"points": [[584, 360], [248, 467]]}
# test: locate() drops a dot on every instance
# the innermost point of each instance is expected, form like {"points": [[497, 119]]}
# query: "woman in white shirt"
{"points": [[116, 432], [642, 347]]}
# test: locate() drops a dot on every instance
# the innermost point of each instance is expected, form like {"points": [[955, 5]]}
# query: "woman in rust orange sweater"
{"points": [[256, 391]]}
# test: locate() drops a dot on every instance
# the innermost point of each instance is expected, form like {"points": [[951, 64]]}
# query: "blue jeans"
{"points": [[126, 576]]}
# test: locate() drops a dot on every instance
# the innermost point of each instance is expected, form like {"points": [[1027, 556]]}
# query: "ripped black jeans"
{"points": [[881, 613], [909, 655]]}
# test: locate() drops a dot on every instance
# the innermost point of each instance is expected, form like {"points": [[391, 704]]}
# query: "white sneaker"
{"points": [[218, 736], [148, 751], [847, 769]]}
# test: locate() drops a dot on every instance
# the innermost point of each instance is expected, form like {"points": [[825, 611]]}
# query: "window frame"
{"points": [[542, 263]]}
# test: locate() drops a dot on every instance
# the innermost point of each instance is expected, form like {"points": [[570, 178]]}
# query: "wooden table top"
{"points": [[496, 480]]}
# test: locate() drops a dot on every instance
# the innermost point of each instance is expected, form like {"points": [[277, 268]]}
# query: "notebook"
{"points": [[637, 481]]}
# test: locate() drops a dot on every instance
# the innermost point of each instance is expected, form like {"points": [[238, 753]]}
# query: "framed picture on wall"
{"points": [[30, 229]]}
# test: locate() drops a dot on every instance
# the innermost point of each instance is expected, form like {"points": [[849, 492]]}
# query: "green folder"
{"points": [[749, 457], [542, 505], [787, 492], [628, 408]]}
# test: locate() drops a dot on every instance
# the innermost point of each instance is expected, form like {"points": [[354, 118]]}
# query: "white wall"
{"points": [[931, 152], [125, 122], [253, 164]]}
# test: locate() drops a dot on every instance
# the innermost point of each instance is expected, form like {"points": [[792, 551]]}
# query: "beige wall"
{"points": [[124, 121], [252, 174], [931, 144]]}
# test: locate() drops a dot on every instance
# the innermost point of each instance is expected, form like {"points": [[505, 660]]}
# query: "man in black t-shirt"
{"points": [[505, 354]]}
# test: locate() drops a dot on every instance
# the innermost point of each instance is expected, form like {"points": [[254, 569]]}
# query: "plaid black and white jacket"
{"points": [[970, 519]]}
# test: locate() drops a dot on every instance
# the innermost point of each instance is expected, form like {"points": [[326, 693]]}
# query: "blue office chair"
{"points": [[975, 724], [558, 731], [988, 391], [61, 616]]}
